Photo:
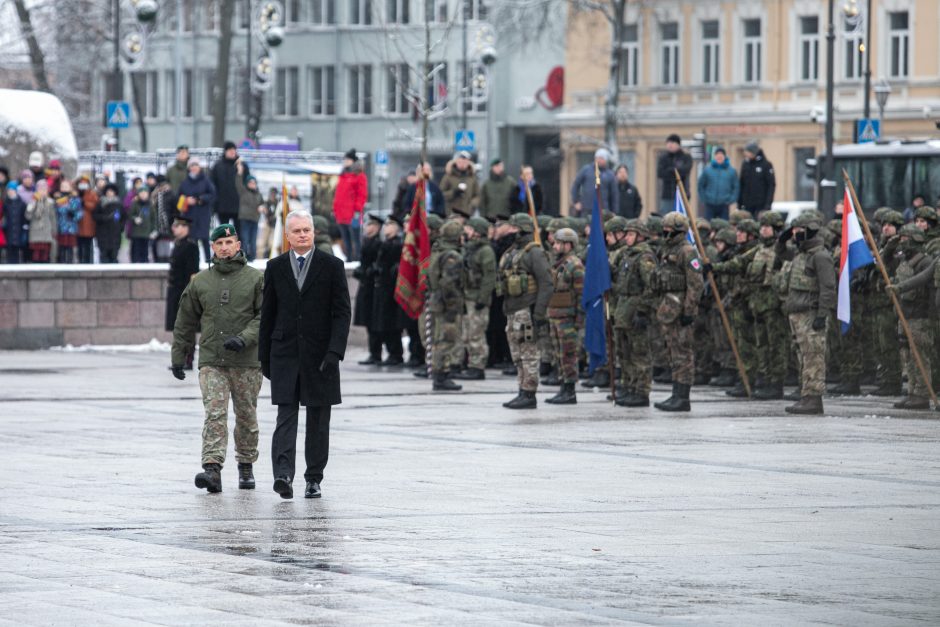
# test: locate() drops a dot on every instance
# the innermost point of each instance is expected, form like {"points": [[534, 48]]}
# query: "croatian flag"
{"points": [[855, 254], [680, 207]]}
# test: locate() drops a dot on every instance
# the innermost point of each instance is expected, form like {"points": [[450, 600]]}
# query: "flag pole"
{"points": [[531, 202], [608, 327], [711, 282], [284, 211], [860, 213]]}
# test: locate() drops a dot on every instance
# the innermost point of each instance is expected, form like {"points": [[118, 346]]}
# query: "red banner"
{"points": [[415, 256]]}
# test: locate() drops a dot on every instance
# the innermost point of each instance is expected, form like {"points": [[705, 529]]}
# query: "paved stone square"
{"points": [[450, 510]]}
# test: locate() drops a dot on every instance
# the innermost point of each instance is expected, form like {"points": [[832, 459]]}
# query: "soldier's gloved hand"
{"points": [[685, 320], [785, 234], [819, 323], [892, 287], [640, 322], [178, 372], [480, 306], [234, 344], [707, 268], [330, 366]]}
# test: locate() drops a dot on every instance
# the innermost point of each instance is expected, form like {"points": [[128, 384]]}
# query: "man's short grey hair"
{"points": [[299, 214]]}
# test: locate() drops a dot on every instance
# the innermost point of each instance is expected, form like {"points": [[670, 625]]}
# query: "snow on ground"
{"points": [[154, 346], [39, 115]]}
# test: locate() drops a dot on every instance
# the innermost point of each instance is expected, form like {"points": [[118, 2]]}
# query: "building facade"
{"points": [[742, 71]]}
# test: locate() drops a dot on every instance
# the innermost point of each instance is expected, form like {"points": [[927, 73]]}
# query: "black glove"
{"points": [[266, 369], [480, 306], [234, 343], [640, 322], [819, 323], [707, 269], [685, 320], [178, 372], [330, 366], [785, 234]]}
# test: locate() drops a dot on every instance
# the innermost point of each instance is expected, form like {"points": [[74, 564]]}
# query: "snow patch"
{"points": [[40, 116], [154, 346]]}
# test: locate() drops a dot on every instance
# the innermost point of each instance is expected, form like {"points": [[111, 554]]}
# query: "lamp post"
{"points": [[266, 23], [882, 91], [828, 185]]}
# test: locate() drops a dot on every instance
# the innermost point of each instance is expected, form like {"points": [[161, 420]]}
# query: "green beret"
{"points": [[223, 230]]}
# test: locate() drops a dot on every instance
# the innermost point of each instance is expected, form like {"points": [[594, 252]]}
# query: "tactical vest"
{"points": [[629, 280], [800, 281], [915, 302], [563, 295], [434, 271], [473, 277], [514, 280], [671, 276], [760, 270]]}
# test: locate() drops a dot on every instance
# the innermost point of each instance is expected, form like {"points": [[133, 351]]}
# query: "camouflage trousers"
{"points": [[811, 352], [922, 330], [658, 347], [474, 336], [564, 337], [445, 341], [217, 385], [546, 342], [723, 353], [633, 354], [705, 354], [679, 346], [523, 346], [884, 323], [742, 324], [771, 343]]}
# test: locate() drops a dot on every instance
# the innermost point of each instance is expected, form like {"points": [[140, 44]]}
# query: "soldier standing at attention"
{"points": [[811, 296], [224, 302], [680, 284], [480, 276], [615, 232], [525, 280], [563, 310], [446, 303]]}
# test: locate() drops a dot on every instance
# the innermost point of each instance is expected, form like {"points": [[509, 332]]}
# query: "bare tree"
{"points": [[37, 60], [220, 89]]}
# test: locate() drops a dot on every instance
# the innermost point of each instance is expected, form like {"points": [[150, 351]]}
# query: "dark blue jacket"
{"points": [[203, 191], [582, 190], [15, 226], [437, 199]]}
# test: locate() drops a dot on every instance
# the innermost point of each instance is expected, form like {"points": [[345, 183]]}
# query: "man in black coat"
{"points": [[387, 314], [673, 159], [223, 179], [758, 182], [630, 203], [184, 263], [363, 314], [305, 315]]}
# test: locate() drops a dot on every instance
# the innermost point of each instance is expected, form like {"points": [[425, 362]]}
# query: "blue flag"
{"points": [[596, 282], [680, 207]]}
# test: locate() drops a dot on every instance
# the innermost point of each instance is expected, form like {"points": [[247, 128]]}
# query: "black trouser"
{"points": [[415, 347], [86, 249], [316, 442], [392, 341], [496, 334]]}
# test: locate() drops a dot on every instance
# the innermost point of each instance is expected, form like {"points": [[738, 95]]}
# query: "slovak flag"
{"points": [[680, 207], [855, 254]]}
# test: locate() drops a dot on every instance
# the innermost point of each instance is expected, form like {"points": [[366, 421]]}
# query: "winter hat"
{"points": [[193, 161], [721, 150], [228, 145], [42, 185], [752, 147], [35, 159], [250, 179], [351, 155], [55, 164], [111, 187], [674, 138], [495, 161], [27, 174], [602, 153], [463, 154]]}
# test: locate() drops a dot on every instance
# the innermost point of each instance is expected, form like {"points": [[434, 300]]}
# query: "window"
{"points": [[397, 81], [294, 12], [210, 16], [322, 81], [711, 52], [899, 44], [753, 51], [854, 57], [208, 83], [148, 95], [189, 15], [476, 10], [630, 56], [436, 98], [804, 183], [669, 35], [474, 94], [809, 48], [242, 16], [286, 98], [398, 11], [435, 11], [187, 94], [240, 91], [359, 81], [360, 12], [322, 12]]}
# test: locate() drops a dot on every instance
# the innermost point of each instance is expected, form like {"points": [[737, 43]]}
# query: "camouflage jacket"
{"points": [[568, 284], [446, 279], [480, 266], [634, 284]]}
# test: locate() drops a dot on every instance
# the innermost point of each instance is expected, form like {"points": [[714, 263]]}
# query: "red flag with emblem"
{"points": [[416, 254]]}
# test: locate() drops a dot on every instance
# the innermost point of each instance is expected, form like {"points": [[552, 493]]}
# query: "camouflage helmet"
{"points": [[543, 221], [321, 224], [675, 221], [607, 216], [772, 218], [913, 233], [927, 213], [434, 222], [737, 215], [655, 224], [566, 235], [814, 213], [835, 225], [880, 213], [727, 235], [523, 222], [638, 227], [808, 220], [617, 224], [556, 223], [703, 225], [892, 217], [749, 226], [480, 225], [719, 223], [451, 231]]}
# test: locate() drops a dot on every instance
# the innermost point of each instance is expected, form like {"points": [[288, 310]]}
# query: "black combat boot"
{"points": [[795, 395], [421, 373], [738, 391], [510, 370], [565, 396], [619, 392], [246, 479], [525, 400], [544, 368], [807, 405], [470, 374], [679, 401], [888, 389], [210, 478], [769, 392], [846, 388], [633, 399], [393, 361], [442, 383], [913, 402], [600, 379], [664, 375], [552, 378], [725, 378]]}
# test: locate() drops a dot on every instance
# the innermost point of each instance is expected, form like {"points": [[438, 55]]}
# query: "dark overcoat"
{"points": [[184, 263], [387, 314], [365, 274], [300, 326]]}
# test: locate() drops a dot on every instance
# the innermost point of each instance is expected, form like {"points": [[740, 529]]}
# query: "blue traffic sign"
{"points": [[465, 140], [119, 114], [868, 130], [381, 157]]}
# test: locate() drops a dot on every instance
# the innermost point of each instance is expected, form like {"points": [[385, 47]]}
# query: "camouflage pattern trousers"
{"points": [[564, 335], [884, 323], [523, 346], [445, 341], [243, 385], [474, 336], [679, 345], [923, 334], [772, 344], [633, 353], [546, 342], [811, 352]]}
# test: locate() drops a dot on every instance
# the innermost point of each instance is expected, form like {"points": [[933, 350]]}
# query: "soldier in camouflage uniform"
{"points": [[725, 241], [563, 312], [446, 302], [321, 238], [661, 370], [424, 320], [525, 281], [679, 280], [927, 219], [615, 231], [632, 277], [913, 283], [480, 282], [810, 299], [705, 363], [884, 320], [771, 335], [224, 303], [548, 357]]}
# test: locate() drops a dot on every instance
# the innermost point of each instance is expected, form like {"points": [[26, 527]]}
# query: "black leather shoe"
{"points": [[283, 487], [313, 490], [393, 362], [370, 361], [246, 478], [210, 479]]}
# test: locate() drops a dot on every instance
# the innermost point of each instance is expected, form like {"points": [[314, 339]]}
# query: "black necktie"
{"points": [[300, 264]]}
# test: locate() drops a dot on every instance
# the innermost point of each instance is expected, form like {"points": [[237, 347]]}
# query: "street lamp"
{"points": [[266, 24], [882, 91], [132, 48]]}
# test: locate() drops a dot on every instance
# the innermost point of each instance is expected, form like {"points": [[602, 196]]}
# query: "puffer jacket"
{"points": [[352, 192]]}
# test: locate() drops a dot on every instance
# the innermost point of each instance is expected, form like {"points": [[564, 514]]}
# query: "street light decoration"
{"points": [[134, 43], [146, 10], [268, 27]]}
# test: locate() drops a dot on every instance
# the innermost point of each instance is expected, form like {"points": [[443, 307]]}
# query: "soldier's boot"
{"points": [[619, 391], [664, 375], [545, 367], [848, 387], [633, 399], [525, 400], [470, 374], [600, 379], [510, 370], [421, 373], [913, 402], [701, 378], [738, 391], [725, 378], [808, 405], [552, 378], [769, 392], [888, 389], [795, 395], [246, 478], [210, 478], [679, 401], [442, 383], [565, 396]]}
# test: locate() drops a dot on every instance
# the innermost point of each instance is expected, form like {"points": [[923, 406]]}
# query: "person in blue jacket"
{"points": [[197, 204], [718, 186]]}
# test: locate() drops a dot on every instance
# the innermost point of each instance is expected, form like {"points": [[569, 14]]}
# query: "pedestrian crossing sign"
{"points": [[868, 130], [465, 140], [118, 114]]}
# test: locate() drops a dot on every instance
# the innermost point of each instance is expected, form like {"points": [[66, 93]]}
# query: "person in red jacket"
{"points": [[352, 191]]}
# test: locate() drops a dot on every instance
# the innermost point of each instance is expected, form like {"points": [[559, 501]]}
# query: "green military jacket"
{"points": [[223, 301], [446, 279], [679, 280], [480, 264], [613, 254], [811, 280], [323, 243], [567, 287], [525, 265], [634, 284]]}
